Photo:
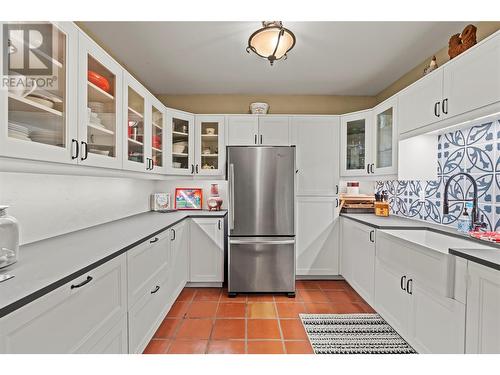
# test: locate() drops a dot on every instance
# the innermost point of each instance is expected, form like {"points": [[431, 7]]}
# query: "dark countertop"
{"points": [[48, 264], [487, 257]]}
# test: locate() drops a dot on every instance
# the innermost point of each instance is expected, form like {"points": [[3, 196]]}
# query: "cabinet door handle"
{"points": [[197, 171], [255, 139], [152, 164], [437, 109], [84, 282], [77, 149], [371, 168], [372, 232], [261, 139], [154, 240], [173, 235], [409, 286], [336, 189], [336, 202], [218, 225], [368, 168], [403, 283], [445, 106], [157, 288], [192, 168], [85, 150]]}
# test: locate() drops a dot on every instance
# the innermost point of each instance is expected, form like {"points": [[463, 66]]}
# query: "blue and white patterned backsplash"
{"points": [[475, 150]]}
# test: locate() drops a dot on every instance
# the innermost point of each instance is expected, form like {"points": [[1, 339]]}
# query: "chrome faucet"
{"points": [[476, 223]]}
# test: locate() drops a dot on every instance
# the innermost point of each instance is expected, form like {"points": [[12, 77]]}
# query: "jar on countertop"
{"points": [[9, 238]]}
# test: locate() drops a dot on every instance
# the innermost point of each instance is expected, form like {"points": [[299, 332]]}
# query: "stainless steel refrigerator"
{"points": [[261, 255]]}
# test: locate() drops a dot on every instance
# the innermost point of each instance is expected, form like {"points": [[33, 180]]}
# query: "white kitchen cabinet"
{"points": [[242, 130], [483, 310], [385, 138], [156, 119], [358, 258], [316, 139], [356, 146], [420, 104], [274, 130], [100, 132], [137, 133], [466, 83], [73, 318], [390, 300], [144, 262], [437, 323], [179, 271], [317, 228], [210, 145], [410, 295], [114, 341], [181, 149], [472, 80], [206, 250], [257, 130], [30, 129]]}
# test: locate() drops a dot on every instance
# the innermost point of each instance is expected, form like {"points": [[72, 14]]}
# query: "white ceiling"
{"points": [[329, 58]]}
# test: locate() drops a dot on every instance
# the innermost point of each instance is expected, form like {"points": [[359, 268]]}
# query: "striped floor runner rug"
{"points": [[353, 334]]}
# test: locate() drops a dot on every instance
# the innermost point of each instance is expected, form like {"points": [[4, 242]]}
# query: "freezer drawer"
{"points": [[260, 264]]}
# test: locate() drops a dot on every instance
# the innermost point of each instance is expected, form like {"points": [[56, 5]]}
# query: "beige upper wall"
{"points": [[484, 29], [291, 104], [300, 104]]}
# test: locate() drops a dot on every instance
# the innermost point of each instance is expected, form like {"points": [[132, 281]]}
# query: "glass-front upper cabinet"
{"points": [[385, 138], [159, 136], [37, 93], [136, 133], [181, 147], [100, 107], [210, 150], [356, 144]]}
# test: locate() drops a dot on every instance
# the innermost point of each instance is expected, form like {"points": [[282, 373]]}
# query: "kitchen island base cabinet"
{"points": [[317, 236], [358, 258], [483, 310], [206, 250], [73, 318]]}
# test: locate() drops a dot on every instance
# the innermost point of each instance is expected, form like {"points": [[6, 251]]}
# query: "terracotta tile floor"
{"points": [[205, 320]]}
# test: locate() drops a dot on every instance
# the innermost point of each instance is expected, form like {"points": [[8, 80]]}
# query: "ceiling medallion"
{"points": [[272, 41]]}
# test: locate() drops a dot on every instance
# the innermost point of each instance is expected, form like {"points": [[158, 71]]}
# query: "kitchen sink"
{"points": [[434, 241]]}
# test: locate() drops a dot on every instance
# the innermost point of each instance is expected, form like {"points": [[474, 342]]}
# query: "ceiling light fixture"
{"points": [[272, 41]]}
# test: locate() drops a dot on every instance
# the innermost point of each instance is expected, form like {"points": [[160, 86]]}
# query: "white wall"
{"points": [[50, 205], [169, 187]]}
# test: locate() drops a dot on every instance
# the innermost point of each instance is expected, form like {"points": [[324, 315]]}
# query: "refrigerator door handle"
{"points": [[231, 196], [259, 242]]}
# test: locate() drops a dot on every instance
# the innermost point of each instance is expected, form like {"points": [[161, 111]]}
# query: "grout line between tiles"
{"points": [[279, 327]]}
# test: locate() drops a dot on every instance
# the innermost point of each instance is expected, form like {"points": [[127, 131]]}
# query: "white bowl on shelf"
{"points": [[259, 108], [176, 164], [178, 149]]}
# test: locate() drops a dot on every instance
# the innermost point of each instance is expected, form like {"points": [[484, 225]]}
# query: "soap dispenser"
{"points": [[464, 222]]}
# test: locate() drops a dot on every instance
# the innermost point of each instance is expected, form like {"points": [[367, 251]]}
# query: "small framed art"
{"points": [[188, 198]]}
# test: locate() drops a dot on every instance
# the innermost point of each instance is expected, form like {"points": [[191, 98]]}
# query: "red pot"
{"points": [[98, 80]]}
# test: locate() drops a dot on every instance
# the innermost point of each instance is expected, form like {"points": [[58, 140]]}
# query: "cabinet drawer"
{"points": [[146, 315], [144, 262], [69, 319]]}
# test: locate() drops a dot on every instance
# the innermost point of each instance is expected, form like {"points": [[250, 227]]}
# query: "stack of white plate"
{"points": [[18, 131], [96, 107], [47, 136]]}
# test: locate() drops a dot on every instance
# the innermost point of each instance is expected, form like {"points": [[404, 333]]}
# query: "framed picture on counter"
{"points": [[188, 198]]}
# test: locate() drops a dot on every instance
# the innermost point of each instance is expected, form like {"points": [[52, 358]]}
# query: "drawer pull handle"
{"points": [[85, 282], [154, 240], [155, 290]]}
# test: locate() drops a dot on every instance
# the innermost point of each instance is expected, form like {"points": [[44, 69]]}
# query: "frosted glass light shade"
{"points": [[272, 42]]}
